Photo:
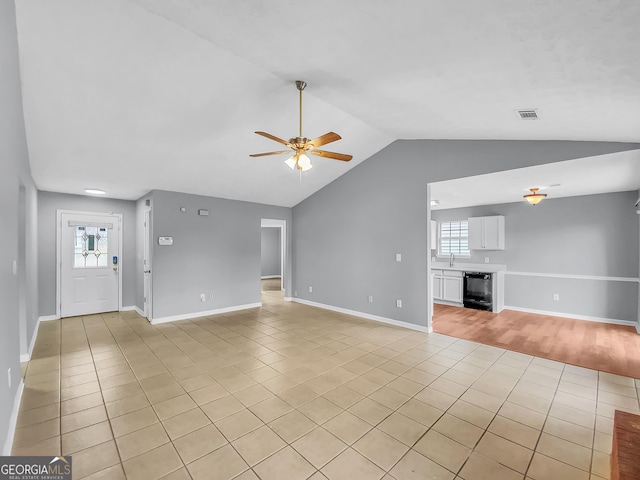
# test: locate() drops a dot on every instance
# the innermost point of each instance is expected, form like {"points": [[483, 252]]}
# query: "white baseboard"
{"points": [[288, 299], [48, 318], [13, 420], [267, 277], [187, 316], [139, 312], [368, 316], [574, 316], [638, 328]]}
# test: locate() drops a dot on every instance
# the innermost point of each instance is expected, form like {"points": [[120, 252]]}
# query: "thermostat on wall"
{"points": [[203, 213], [165, 240]]}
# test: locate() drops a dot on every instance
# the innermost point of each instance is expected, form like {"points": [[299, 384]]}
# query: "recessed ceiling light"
{"points": [[94, 191], [435, 202]]}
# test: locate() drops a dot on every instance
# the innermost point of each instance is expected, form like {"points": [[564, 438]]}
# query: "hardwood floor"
{"points": [[600, 346]]}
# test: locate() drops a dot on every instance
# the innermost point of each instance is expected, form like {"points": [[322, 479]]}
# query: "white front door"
{"points": [[89, 263]]}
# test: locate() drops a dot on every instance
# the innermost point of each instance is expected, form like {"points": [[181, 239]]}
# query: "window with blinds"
{"points": [[453, 238]]}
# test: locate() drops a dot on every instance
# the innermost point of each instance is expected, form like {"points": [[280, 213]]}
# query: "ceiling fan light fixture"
{"points": [[291, 162], [301, 145], [534, 197], [304, 163]]}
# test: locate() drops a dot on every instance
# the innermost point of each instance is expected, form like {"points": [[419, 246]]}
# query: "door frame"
{"points": [[282, 225], [147, 278], [59, 213]]}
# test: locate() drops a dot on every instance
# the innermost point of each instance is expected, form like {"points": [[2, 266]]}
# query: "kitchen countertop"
{"points": [[469, 267]]}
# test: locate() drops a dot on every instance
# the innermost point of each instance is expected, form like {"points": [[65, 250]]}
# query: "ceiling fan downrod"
{"points": [[300, 85]]}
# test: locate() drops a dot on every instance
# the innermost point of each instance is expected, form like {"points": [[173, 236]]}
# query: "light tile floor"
{"points": [[294, 392]]}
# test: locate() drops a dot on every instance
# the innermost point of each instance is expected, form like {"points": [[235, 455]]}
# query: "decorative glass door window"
{"points": [[91, 247]]}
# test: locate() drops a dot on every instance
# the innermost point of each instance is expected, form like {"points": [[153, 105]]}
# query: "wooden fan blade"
{"points": [[324, 139], [335, 156], [269, 153], [272, 137]]}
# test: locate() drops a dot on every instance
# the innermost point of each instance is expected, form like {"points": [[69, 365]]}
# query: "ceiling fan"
{"points": [[301, 146]]}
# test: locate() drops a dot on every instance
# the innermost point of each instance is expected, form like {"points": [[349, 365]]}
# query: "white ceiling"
{"points": [[134, 95], [615, 172]]}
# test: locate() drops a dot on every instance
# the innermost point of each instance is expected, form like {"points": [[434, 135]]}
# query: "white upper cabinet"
{"points": [[486, 233]]}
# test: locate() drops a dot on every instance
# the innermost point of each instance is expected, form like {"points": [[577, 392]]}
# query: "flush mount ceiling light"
{"points": [[94, 191], [301, 146], [534, 197]]}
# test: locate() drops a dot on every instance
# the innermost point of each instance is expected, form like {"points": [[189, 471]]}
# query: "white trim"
{"points": [[13, 420], [128, 308], [267, 277], [576, 277], [187, 316], [573, 316], [48, 318], [118, 217], [288, 299], [139, 312], [367, 316], [25, 357]]}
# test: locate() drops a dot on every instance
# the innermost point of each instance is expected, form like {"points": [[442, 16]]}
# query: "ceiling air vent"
{"points": [[530, 114]]}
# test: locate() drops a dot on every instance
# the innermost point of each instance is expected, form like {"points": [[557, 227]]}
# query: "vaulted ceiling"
{"points": [[134, 95]]}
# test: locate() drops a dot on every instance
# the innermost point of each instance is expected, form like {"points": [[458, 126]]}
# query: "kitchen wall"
{"points": [[346, 235], [270, 251], [48, 204], [217, 255], [18, 197], [583, 248]]}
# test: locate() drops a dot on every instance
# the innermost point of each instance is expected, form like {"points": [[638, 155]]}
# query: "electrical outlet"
{"points": [[9, 377], [398, 257], [556, 296], [486, 259], [310, 289], [399, 303], [370, 298], [203, 297]]}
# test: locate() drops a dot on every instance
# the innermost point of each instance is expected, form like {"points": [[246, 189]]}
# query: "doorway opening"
{"points": [[272, 254]]}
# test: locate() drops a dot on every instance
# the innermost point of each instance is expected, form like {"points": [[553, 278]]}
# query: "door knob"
{"points": [[115, 269], [147, 271]]}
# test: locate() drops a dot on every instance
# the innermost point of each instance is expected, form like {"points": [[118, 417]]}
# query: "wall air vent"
{"points": [[530, 114]]}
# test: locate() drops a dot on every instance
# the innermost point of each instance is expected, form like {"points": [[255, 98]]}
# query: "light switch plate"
{"points": [[398, 257], [399, 303]]}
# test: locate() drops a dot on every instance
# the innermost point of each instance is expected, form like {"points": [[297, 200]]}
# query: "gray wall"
{"points": [[217, 255], [593, 235], [352, 228], [48, 204], [270, 251], [16, 221]]}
